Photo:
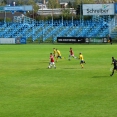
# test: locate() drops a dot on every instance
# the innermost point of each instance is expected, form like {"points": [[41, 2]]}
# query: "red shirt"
{"points": [[51, 58], [71, 52]]}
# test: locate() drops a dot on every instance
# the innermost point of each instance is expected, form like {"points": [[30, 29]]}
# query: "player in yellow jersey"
{"points": [[58, 54], [81, 60], [54, 52]]}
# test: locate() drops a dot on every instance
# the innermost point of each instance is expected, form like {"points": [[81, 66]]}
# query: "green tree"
{"points": [[3, 2], [70, 5], [20, 2], [35, 6], [53, 4], [33, 13]]}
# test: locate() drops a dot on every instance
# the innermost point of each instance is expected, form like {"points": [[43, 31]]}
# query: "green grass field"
{"points": [[29, 89]]}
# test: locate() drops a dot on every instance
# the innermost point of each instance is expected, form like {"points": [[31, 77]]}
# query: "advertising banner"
{"points": [[98, 9], [96, 40], [28, 8], [18, 8], [7, 40], [70, 39], [17, 40], [13, 8], [82, 39], [20, 40], [23, 40]]}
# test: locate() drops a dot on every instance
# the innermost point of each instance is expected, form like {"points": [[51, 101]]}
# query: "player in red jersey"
{"points": [[71, 54], [51, 63]]}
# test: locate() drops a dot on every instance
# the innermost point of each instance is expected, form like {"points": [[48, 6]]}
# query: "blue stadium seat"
{"points": [[30, 28]]}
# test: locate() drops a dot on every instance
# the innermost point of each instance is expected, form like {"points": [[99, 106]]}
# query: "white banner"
{"points": [[98, 9], [7, 40], [13, 8], [19, 8]]}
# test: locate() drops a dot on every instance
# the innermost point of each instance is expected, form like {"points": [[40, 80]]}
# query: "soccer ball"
{"points": [[48, 67]]}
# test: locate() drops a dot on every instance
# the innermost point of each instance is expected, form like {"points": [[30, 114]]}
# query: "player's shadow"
{"points": [[100, 76]]}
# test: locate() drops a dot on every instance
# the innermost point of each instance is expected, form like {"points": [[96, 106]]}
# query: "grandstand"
{"points": [[50, 30]]}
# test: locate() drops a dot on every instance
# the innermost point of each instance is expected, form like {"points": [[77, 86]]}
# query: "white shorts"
{"points": [[72, 55], [52, 63]]}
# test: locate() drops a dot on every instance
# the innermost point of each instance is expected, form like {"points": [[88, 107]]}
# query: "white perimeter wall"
{"points": [[7, 40]]}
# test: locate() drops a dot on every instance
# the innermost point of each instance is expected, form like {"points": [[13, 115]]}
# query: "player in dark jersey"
{"points": [[110, 40], [114, 62]]}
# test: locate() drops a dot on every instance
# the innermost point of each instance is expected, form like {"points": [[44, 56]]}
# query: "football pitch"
{"points": [[29, 89]]}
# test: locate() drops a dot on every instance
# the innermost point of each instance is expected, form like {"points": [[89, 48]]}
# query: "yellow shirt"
{"points": [[58, 53], [54, 51], [81, 57]]}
